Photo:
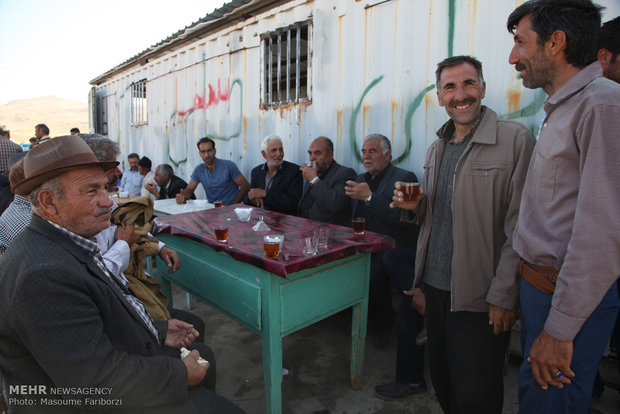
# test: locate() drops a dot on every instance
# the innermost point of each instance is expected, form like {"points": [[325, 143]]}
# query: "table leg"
{"points": [[189, 299], [272, 345], [358, 332]]}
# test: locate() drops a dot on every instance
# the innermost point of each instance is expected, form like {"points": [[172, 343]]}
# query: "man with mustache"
{"points": [[221, 179], [275, 185], [371, 194], [66, 321], [568, 233], [473, 177]]}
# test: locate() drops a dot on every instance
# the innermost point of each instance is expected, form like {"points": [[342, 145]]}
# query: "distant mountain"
{"points": [[60, 115]]}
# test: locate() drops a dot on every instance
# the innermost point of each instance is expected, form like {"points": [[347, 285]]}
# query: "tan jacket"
{"points": [[488, 183]]}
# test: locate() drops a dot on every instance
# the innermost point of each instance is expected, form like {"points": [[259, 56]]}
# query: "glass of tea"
{"points": [[271, 245], [411, 191], [221, 234], [358, 224], [218, 203]]}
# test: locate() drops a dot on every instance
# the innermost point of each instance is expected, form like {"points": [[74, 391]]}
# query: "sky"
{"points": [[55, 47]]}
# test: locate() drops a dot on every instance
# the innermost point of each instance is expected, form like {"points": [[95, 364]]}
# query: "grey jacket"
{"points": [[326, 199], [488, 183]]}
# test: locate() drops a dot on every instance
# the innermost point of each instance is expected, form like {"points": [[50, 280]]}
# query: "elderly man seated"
{"points": [[275, 185], [66, 321]]}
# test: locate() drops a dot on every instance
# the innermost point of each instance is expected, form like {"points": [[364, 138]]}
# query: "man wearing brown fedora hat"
{"points": [[67, 323]]}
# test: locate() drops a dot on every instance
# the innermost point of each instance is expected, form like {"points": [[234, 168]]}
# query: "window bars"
{"points": [[138, 103], [286, 65]]}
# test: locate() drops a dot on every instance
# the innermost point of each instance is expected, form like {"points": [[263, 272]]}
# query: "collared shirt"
{"points": [[219, 184], [119, 280], [268, 176], [14, 220], [7, 149], [131, 182], [373, 183], [571, 200], [149, 178]]}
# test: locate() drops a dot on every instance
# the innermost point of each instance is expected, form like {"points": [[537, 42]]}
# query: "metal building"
{"points": [[304, 68]]}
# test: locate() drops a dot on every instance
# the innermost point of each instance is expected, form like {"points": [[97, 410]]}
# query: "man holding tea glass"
{"points": [[474, 175], [371, 194]]}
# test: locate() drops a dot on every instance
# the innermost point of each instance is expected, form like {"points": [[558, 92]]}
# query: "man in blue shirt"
{"points": [[132, 179], [221, 179]]}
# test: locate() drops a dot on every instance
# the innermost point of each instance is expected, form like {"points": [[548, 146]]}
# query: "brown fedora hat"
{"points": [[54, 157]]}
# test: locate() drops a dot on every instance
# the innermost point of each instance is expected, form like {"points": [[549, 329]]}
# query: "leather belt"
{"points": [[542, 278]]}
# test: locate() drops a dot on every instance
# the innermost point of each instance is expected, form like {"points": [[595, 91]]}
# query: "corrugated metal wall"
{"points": [[373, 66]]}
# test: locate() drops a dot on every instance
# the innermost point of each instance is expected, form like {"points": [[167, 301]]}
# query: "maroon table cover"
{"points": [[246, 245]]}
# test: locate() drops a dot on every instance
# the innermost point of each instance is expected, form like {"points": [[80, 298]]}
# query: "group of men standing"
{"points": [[504, 226]]}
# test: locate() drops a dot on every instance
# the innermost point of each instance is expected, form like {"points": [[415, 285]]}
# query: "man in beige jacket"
{"points": [[473, 177]]}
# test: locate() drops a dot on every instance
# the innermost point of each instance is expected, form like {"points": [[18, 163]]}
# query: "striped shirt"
{"points": [[120, 281]]}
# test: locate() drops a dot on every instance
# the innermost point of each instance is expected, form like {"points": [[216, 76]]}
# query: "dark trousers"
{"points": [[394, 269], [588, 346], [203, 398], [466, 359]]}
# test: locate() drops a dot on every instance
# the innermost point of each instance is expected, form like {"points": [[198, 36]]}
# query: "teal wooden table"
{"points": [[242, 284]]}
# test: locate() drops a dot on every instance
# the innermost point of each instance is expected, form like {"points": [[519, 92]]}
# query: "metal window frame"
{"points": [[139, 103], [292, 33]]}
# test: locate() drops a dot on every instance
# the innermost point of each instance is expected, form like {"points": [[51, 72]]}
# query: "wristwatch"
{"points": [[367, 201], [314, 180]]}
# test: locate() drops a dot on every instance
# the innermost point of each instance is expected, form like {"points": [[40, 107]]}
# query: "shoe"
{"points": [[395, 391]]}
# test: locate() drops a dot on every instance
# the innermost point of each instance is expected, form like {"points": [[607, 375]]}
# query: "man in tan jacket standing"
{"points": [[473, 178]]}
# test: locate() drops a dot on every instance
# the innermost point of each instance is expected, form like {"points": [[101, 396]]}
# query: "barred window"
{"points": [[286, 65], [138, 103]]}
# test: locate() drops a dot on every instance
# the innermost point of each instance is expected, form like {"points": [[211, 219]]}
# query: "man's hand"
{"points": [[550, 356], [180, 334], [150, 187], [418, 300], [171, 258], [195, 371], [126, 233], [358, 191], [397, 199], [257, 196], [181, 199], [309, 171], [502, 319]]}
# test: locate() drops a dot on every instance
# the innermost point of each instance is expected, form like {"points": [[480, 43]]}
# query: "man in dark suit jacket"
{"points": [[323, 197], [275, 185], [169, 184], [371, 195], [65, 321]]}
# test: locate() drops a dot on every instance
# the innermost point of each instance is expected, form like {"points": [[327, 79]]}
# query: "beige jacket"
{"points": [[488, 183]]}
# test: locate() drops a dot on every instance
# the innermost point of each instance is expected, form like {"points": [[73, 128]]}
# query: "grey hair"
{"points": [[104, 148], [165, 169], [385, 143], [53, 185], [268, 140]]}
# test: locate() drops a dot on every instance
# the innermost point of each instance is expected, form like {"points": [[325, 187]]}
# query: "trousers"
{"points": [[466, 359], [588, 346]]}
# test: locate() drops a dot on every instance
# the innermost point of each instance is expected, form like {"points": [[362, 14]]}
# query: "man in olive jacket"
{"points": [[473, 178]]}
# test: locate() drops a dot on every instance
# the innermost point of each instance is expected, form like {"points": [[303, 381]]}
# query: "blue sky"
{"points": [[55, 47]]}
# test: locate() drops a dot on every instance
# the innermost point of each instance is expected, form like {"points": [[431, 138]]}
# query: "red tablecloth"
{"points": [[246, 245]]}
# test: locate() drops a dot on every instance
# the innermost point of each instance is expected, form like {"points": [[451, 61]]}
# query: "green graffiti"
{"points": [[354, 114], [530, 109], [451, 17], [408, 122]]}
